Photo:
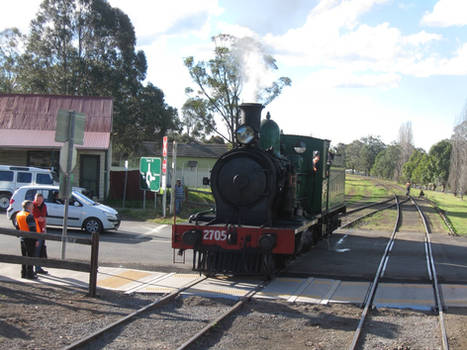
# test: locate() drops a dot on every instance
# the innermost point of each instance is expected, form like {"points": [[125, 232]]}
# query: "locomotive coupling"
{"points": [[192, 237], [268, 241]]}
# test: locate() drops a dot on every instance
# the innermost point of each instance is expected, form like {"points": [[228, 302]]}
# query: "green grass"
{"points": [[454, 208], [365, 189]]}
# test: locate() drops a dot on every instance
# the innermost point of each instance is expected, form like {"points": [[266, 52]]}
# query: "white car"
{"points": [[83, 212]]}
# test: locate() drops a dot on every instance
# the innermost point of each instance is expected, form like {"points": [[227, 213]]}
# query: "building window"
{"points": [[44, 159], [192, 164]]}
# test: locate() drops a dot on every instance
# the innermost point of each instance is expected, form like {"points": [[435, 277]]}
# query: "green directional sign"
{"points": [[150, 173]]}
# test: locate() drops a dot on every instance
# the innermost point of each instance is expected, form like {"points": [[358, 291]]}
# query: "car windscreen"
{"points": [[83, 199]]}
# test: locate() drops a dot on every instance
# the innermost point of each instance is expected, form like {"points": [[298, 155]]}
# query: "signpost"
{"points": [[172, 183], [125, 183], [69, 129], [164, 175]]}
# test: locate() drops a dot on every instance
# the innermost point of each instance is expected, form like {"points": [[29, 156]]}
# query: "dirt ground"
{"points": [[37, 316]]}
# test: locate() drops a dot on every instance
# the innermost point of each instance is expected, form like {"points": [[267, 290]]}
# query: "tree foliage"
{"points": [[221, 80], [10, 40], [360, 155], [440, 157], [386, 162], [458, 166], [87, 48]]}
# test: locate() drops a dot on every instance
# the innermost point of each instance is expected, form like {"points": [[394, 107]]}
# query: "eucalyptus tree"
{"points": [[458, 167], [236, 68], [440, 156], [386, 162], [10, 41], [88, 48]]}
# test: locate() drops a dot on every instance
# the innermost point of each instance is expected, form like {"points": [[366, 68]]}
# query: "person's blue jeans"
{"points": [[178, 205], [37, 252]]}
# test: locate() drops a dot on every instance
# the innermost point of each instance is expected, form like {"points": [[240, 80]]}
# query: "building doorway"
{"points": [[89, 169]]}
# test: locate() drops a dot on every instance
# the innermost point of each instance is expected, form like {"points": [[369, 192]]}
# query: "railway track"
{"points": [[352, 220], [381, 270], [89, 340]]}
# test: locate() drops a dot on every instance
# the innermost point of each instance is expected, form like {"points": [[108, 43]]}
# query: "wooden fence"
{"points": [[54, 263]]}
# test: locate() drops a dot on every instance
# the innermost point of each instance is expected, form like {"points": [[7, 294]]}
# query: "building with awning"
{"points": [[27, 136]]}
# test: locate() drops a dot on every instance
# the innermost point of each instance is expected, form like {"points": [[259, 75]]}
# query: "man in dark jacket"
{"points": [[26, 222]]}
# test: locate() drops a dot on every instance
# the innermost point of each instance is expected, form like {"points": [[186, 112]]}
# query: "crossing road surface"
{"points": [[136, 244]]}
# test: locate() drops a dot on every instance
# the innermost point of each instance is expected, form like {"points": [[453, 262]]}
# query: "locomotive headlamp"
{"points": [[245, 134]]}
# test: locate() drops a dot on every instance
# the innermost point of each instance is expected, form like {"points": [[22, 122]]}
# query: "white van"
{"points": [[13, 177]]}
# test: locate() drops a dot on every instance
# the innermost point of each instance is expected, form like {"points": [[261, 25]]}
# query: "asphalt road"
{"points": [[135, 245]]}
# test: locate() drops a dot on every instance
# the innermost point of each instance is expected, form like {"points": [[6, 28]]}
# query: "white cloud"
{"points": [[12, 15], [344, 115], [333, 38], [447, 13], [152, 18]]}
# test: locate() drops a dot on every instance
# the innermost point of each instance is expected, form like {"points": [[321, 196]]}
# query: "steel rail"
{"points": [[215, 322], [125, 319], [368, 214], [452, 231], [368, 206], [371, 294], [439, 304]]}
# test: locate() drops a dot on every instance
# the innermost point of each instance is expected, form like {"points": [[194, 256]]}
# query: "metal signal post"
{"points": [[70, 129]]}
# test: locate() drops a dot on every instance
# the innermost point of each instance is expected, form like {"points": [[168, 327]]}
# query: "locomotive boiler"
{"points": [[276, 195]]}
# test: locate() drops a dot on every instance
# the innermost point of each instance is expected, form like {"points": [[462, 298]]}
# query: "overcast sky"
{"points": [[358, 67]]}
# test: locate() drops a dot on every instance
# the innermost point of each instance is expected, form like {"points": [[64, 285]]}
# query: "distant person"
{"points": [[407, 187], [315, 160], [422, 194], [26, 222], [179, 196], [40, 214]]}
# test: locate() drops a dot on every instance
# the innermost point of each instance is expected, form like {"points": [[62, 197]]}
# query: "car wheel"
{"points": [[92, 225], [4, 201]]}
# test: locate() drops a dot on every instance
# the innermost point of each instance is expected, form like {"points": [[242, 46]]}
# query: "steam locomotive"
{"points": [[276, 195]]}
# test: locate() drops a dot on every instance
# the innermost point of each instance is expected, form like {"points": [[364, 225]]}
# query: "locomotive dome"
{"points": [[270, 134]]}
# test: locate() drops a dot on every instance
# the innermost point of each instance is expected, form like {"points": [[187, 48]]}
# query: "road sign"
{"points": [[150, 173], [64, 157], [164, 166], [62, 129]]}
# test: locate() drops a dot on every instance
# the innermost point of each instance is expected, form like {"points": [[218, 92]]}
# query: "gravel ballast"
{"points": [[38, 316]]}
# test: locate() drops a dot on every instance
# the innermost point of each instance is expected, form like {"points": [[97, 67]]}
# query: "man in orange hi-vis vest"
{"points": [[26, 222]]}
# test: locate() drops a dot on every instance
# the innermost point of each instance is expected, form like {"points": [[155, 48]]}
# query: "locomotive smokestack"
{"points": [[250, 114]]}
